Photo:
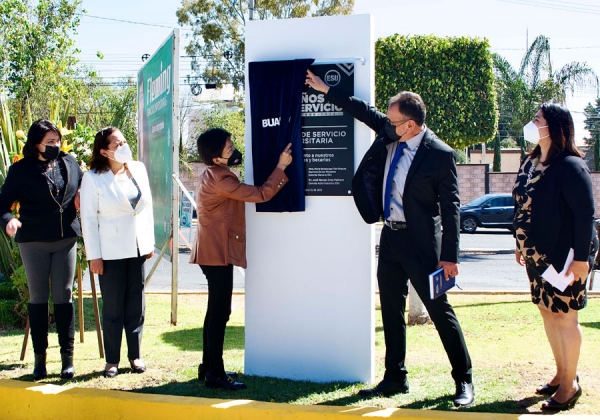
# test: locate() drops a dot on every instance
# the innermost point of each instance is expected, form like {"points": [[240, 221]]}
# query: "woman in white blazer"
{"points": [[118, 232]]}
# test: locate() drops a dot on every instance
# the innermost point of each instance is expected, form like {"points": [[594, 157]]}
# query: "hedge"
{"points": [[454, 76]]}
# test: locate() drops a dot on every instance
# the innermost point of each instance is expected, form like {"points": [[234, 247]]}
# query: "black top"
{"points": [[562, 211], [44, 217], [430, 198]]}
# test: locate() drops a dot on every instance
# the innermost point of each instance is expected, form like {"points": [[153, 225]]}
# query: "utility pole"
{"points": [[251, 9]]}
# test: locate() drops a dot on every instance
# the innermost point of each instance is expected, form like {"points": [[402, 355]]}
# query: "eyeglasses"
{"points": [[397, 124]]}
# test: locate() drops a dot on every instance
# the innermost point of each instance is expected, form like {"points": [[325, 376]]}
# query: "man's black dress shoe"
{"points": [[202, 371], [549, 389], [211, 381], [552, 405], [465, 394], [386, 388]]}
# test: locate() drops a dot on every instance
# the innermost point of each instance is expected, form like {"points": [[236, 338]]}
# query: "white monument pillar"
{"points": [[310, 287]]}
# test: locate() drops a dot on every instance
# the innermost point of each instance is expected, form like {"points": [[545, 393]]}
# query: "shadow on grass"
{"points": [[259, 389], [13, 366], [191, 339], [473, 305], [55, 379], [590, 324]]}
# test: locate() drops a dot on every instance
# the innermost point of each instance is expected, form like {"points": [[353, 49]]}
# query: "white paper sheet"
{"points": [[560, 280]]}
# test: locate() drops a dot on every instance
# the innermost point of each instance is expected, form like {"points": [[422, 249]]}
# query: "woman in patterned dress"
{"points": [[554, 213]]}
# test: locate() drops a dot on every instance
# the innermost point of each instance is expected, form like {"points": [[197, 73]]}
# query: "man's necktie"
{"points": [[390, 179]]}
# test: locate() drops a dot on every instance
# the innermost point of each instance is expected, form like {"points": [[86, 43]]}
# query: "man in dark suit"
{"points": [[408, 178]]}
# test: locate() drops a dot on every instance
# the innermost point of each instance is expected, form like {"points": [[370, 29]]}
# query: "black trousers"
{"points": [[220, 289], [123, 306], [399, 262]]}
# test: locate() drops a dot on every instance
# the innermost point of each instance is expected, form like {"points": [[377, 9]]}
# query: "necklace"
{"points": [[53, 178]]}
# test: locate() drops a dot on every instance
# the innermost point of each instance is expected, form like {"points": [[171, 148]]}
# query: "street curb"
{"points": [[27, 400], [487, 251]]}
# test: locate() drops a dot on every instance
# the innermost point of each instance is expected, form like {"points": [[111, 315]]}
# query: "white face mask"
{"points": [[531, 133], [123, 154]]}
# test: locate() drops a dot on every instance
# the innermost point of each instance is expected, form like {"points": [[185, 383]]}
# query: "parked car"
{"points": [[489, 210]]}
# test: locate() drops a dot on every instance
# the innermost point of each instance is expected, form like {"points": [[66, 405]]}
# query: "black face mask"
{"points": [[235, 159], [390, 130], [50, 153]]}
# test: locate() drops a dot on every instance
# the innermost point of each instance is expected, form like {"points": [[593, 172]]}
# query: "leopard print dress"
{"points": [[543, 294]]}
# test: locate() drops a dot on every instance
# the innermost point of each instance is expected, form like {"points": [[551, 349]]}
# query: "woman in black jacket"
{"points": [[554, 213], [46, 185]]}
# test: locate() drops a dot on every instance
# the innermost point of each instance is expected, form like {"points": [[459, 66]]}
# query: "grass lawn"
{"points": [[504, 333]]}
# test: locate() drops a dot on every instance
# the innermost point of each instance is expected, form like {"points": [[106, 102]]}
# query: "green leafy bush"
{"points": [[454, 76]]}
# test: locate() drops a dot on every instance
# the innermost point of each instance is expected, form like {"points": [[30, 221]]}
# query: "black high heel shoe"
{"points": [[141, 368], [202, 370], [39, 367], [549, 389], [212, 381], [552, 405]]}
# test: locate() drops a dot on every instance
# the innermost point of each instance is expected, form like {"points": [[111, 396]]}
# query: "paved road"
{"points": [[481, 267]]}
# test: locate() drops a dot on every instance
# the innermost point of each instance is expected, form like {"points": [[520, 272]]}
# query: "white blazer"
{"points": [[112, 229]]}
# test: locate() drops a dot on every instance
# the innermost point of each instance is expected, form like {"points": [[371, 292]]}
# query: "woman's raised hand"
{"points": [[285, 158]]}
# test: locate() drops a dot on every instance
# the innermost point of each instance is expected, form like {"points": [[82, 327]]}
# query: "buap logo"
{"points": [[271, 122], [332, 78]]}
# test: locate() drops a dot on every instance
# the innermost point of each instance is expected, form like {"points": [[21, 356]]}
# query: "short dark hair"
{"points": [[36, 134], [561, 130], [98, 162], [211, 144], [411, 105]]}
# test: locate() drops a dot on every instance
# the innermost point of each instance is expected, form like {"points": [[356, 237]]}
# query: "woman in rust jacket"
{"points": [[220, 242]]}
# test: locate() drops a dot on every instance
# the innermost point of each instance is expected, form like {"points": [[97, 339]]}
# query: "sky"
{"points": [[509, 25]]}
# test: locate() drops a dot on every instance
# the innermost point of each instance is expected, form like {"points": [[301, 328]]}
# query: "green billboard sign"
{"points": [[158, 131]]}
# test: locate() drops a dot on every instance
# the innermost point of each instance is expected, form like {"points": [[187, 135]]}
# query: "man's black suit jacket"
{"points": [[430, 199]]}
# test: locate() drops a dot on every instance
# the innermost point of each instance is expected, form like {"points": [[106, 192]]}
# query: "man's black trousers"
{"points": [[399, 262]]}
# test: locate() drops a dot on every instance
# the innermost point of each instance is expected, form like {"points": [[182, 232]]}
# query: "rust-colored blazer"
{"points": [[221, 235]]}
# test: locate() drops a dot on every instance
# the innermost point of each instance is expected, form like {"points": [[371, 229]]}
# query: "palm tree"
{"points": [[521, 92]]}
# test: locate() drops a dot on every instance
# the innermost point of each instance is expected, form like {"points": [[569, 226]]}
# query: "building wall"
{"points": [[510, 158]]}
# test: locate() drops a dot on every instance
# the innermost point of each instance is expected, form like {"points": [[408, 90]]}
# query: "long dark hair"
{"points": [[36, 134], [98, 162], [562, 133]]}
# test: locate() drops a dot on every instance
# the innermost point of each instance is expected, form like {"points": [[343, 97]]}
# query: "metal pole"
{"points": [[174, 190], [251, 9]]}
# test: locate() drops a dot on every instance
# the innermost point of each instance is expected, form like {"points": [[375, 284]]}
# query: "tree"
{"points": [[497, 166], [218, 45], [592, 124], [520, 93], [37, 52]]}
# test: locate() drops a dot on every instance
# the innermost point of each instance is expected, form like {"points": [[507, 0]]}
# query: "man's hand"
{"points": [[96, 266], [150, 255], [450, 269], [12, 226], [315, 82]]}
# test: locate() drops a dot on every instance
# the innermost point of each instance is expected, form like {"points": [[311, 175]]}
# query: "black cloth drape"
{"points": [[275, 104]]}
